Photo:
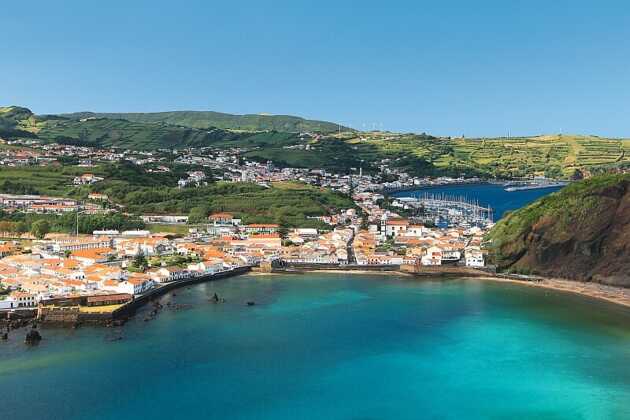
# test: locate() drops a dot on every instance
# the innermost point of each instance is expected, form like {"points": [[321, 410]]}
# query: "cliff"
{"points": [[582, 233]]}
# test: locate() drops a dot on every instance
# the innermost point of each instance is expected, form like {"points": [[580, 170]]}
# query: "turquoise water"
{"points": [[327, 346], [487, 194]]}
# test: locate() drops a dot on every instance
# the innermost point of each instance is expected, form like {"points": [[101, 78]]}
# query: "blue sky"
{"points": [[443, 67]]}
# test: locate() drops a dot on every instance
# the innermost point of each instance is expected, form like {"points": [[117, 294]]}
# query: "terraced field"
{"points": [[556, 156]]}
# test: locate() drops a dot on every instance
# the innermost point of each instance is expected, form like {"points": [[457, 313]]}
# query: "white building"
{"points": [[19, 300], [135, 286], [432, 257], [474, 258]]}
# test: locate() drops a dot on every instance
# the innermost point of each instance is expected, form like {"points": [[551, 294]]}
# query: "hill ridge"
{"points": [[581, 232], [209, 119]]}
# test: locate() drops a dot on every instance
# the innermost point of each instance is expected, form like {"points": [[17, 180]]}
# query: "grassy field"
{"points": [[41, 180]]}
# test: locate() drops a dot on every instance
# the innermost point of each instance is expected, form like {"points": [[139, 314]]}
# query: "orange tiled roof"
{"points": [[95, 253]]}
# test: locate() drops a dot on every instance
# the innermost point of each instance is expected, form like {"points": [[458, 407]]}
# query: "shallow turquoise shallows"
{"points": [[328, 346]]}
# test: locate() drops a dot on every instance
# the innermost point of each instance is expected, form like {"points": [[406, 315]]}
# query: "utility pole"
{"points": [[77, 222]]}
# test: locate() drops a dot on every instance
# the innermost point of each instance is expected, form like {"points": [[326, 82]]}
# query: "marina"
{"points": [[444, 210], [488, 195]]}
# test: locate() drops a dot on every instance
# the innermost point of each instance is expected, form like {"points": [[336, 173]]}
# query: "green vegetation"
{"points": [[288, 204], [208, 119], [556, 156], [104, 132], [49, 180], [166, 228], [424, 155], [140, 261], [578, 232], [124, 134], [10, 118], [140, 192], [575, 203], [20, 223], [57, 180], [172, 261], [40, 228]]}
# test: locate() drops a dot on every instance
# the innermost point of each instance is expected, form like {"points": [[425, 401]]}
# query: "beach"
{"points": [[612, 294]]}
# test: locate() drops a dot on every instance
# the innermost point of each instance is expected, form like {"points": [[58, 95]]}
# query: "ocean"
{"points": [[334, 346]]}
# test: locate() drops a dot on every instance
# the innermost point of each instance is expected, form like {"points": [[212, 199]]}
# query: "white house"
{"points": [[135, 285], [474, 258], [433, 256], [206, 267], [168, 274], [19, 300], [395, 227]]}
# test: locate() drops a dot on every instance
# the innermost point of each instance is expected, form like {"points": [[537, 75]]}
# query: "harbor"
{"points": [[445, 210], [490, 194]]}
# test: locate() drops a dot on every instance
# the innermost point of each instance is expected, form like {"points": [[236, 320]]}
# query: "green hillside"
{"points": [[105, 132], [141, 192], [10, 118], [555, 156], [210, 119], [581, 232]]}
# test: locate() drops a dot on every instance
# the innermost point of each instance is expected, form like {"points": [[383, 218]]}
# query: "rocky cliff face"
{"points": [[581, 232]]}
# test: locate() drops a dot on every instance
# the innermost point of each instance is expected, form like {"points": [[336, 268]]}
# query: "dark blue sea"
{"points": [[334, 346], [491, 195]]}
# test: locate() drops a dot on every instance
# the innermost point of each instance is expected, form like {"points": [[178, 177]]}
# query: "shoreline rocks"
{"points": [[33, 337]]}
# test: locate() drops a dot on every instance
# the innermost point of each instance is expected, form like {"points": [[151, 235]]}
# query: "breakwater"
{"points": [[129, 308], [407, 188], [72, 315]]}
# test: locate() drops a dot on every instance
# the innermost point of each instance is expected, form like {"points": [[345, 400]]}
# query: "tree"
{"points": [[21, 228], [198, 214], [140, 261], [6, 226], [40, 228]]}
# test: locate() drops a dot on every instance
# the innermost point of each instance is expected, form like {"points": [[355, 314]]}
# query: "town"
{"points": [[109, 268]]}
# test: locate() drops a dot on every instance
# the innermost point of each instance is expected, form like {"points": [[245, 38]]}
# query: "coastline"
{"points": [[410, 188], [372, 272], [610, 294], [605, 293]]}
